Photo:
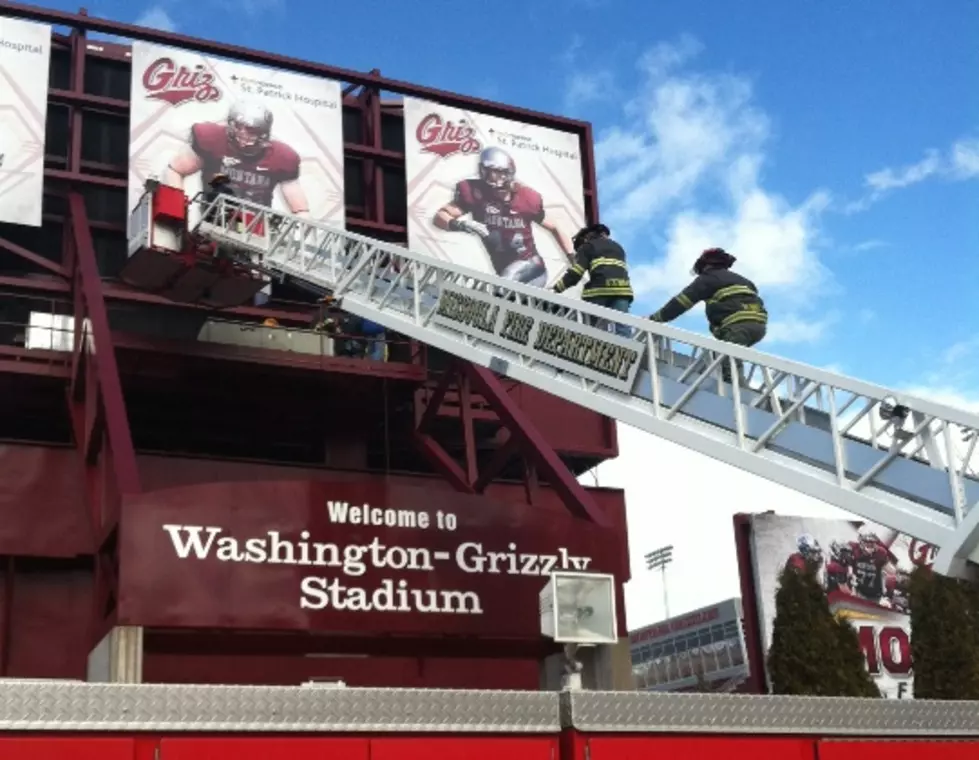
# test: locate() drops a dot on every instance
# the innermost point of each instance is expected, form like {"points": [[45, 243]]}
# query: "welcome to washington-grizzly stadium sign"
{"points": [[350, 562], [454, 563]]}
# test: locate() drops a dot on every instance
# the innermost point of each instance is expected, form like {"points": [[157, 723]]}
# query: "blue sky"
{"points": [[833, 147]]}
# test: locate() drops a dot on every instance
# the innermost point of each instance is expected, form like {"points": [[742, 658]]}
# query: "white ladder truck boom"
{"points": [[894, 459]]}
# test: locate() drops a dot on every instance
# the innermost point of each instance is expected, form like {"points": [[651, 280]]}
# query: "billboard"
{"points": [[25, 57], [703, 646], [865, 570], [349, 556], [278, 136], [492, 194]]}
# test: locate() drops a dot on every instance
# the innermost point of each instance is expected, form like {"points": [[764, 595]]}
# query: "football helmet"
{"points": [[249, 127], [498, 170]]}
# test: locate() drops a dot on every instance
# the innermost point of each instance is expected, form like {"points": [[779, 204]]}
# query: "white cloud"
{"points": [[585, 83], [868, 245], [587, 87], [793, 329], [686, 163], [157, 17], [959, 162]]}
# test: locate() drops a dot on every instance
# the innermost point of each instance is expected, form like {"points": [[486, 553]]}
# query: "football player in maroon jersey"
{"points": [[870, 558], [242, 148], [502, 212], [809, 554]]}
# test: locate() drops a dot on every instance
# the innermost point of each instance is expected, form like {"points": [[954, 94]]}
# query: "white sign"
{"points": [[277, 136], [492, 194], [25, 57], [351, 561], [587, 351], [865, 569]]}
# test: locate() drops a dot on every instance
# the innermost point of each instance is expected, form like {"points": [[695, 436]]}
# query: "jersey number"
{"points": [[518, 242]]}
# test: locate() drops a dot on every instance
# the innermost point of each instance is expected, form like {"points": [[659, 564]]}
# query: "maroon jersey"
{"points": [[510, 223], [253, 178], [837, 576], [868, 570], [797, 562]]}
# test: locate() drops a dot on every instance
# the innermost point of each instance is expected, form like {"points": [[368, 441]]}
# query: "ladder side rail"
{"points": [[872, 504], [484, 282], [363, 262]]}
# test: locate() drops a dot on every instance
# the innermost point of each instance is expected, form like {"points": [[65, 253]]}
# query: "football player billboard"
{"points": [[495, 195], [25, 56], [864, 569], [277, 136]]}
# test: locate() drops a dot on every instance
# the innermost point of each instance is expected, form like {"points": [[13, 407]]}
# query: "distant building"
{"points": [[703, 650]]}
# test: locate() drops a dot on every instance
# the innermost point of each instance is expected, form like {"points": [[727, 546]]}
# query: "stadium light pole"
{"points": [[658, 559]]}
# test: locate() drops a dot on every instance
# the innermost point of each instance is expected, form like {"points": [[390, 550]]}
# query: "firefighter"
{"points": [[735, 311], [608, 275], [219, 184]]}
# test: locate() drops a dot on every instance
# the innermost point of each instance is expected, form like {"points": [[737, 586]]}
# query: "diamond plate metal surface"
{"points": [[71, 706], [732, 714]]}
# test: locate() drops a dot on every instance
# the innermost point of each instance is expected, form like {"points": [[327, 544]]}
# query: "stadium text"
{"points": [[201, 542]]}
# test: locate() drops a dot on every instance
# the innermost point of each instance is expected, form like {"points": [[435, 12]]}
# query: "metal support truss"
{"points": [[98, 414], [520, 438], [898, 460]]}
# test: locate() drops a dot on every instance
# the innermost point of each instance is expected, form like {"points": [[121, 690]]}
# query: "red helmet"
{"points": [[713, 258]]}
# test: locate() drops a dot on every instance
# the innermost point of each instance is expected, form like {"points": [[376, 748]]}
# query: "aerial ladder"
{"points": [[901, 461]]}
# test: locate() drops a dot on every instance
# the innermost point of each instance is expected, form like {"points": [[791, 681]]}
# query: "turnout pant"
{"points": [[743, 334], [611, 302]]}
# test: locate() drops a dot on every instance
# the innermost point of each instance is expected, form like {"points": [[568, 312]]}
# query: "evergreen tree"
{"points": [[944, 636], [812, 652], [853, 663]]}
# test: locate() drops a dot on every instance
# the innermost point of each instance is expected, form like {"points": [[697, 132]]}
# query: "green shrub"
{"points": [[812, 652], [944, 636]]}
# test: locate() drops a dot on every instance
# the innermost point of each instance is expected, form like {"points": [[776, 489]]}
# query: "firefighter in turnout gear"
{"points": [[608, 275], [735, 311]]}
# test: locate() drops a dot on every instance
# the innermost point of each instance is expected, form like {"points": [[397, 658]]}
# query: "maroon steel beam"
{"points": [[35, 259], [538, 455], [14, 367], [591, 185], [208, 47], [124, 294], [535, 447], [506, 451], [103, 357]]}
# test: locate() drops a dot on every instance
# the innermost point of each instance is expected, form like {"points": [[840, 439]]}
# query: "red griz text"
{"points": [[165, 80], [443, 138], [921, 553], [888, 647]]}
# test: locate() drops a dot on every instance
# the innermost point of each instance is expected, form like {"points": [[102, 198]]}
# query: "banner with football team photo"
{"points": [[277, 136], [25, 57], [492, 194], [864, 568]]}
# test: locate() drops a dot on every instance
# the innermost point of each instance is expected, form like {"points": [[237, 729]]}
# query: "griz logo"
{"points": [[445, 138]]}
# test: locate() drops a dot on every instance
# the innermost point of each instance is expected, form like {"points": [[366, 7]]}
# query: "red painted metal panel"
{"points": [[75, 748], [441, 575], [396, 669], [470, 748], [700, 748], [50, 612], [264, 748], [897, 750], [40, 487]]}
